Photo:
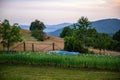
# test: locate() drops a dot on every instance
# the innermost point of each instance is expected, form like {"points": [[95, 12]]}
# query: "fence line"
{"points": [[24, 46]]}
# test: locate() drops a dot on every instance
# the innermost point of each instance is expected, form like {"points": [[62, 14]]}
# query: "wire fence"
{"points": [[30, 46]]}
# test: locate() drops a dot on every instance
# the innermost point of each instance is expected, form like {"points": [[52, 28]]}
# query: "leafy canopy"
{"points": [[67, 31], [76, 41], [37, 28], [9, 34], [37, 25], [116, 36]]}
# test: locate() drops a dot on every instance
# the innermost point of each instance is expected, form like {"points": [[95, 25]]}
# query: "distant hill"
{"points": [[52, 28], [108, 26], [25, 27], [49, 28]]}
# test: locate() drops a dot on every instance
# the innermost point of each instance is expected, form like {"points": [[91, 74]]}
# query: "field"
{"points": [[44, 66], [91, 61], [24, 72]]}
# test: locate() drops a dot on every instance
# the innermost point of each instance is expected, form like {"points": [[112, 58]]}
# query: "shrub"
{"points": [[73, 44]]}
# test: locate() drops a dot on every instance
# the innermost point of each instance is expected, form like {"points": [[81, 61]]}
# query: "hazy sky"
{"points": [[57, 11]]}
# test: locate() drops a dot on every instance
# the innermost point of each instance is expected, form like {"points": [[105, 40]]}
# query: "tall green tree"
{"points": [[37, 28], [77, 41], [67, 31], [83, 26], [9, 34], [84, 23], [101, 41], [37, 25]]}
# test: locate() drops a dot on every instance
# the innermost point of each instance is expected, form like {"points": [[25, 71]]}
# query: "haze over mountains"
{"points": [[108, 26], [52, 28]]}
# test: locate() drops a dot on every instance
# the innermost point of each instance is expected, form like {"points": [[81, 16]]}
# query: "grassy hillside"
{"points": [[26, 35]]}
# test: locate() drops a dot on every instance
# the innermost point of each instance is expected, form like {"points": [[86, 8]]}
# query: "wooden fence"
{"points": [[28, 46]]}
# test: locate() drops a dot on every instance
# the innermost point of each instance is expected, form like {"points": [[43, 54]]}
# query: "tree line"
{"points": [[77, 38], [83, 35], [10, 34]]}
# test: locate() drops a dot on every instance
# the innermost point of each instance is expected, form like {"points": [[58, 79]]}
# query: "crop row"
{"points": [[73, 61]]}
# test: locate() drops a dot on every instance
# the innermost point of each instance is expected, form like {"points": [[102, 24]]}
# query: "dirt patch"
{"points": [[106, 52]]}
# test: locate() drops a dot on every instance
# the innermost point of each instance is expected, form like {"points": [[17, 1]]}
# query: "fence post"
{"points": [[33, 47], [53, 46], [24, 46]]}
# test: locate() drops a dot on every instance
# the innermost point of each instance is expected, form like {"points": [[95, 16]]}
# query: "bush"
{"points": [[114, 45], [73, 44], [67, 31], [38, 35]]}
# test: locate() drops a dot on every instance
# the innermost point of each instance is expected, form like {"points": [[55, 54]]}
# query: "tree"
{"points": [[37, 25], [73, 44], [38, 34], [114, 45], [83, 27], [84, 23], [89, 40], [67, 31], [116, 36], [101, 41], [76, 42], [9, 34], [37, 28]]}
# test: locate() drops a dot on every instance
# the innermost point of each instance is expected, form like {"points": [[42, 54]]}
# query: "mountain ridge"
{"points": [[108, 26]]}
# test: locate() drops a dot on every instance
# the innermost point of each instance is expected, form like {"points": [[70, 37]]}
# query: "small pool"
{"points": [[63, 52]]}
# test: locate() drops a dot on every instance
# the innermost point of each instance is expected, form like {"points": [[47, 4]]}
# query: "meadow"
{"points": [[88, 61]]}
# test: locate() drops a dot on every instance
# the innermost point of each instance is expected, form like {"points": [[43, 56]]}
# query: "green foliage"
{"points": [[78, 61], [39, 35], [79, 36], [82, 34], [9, 34], [116, 36], [73, 44], [84, 23], [102, 41], [37, 28], [114, 45], [67, 31], [37, 25]]}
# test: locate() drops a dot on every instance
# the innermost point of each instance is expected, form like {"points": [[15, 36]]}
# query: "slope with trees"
{"points": [[84, 35]]}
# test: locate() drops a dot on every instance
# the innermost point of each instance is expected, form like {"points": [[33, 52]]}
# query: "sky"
{"points": [[57, 11]]}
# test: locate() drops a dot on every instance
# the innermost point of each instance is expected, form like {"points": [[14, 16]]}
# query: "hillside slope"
{"points": [[26, 35], [108, 26]]}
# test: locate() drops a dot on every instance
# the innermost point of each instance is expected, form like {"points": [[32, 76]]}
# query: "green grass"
{"points": [[65, 61], [24, 72]]}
